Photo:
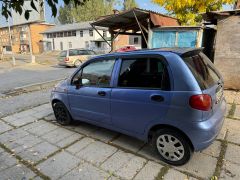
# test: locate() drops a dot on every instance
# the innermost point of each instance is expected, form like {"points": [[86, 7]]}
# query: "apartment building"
{"points": [[23, 35], [76, 35]]}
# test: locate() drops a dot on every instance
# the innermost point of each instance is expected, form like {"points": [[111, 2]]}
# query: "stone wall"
{"points": [[227, 51]]}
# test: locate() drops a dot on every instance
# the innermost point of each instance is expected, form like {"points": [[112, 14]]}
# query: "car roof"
{"points": [[179, 51]]}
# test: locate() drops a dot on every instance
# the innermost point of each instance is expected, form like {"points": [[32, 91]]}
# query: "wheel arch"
{"points": [[156, 127]]}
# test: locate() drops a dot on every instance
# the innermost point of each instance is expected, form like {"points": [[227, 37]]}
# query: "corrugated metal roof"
{"points": [[71, 27]]}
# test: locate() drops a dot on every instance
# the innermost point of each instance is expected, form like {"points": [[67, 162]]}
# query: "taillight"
{"points": [[201, 102], [66, 59]]}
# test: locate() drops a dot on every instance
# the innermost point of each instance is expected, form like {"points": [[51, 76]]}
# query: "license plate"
{"points": [[219, 94]]}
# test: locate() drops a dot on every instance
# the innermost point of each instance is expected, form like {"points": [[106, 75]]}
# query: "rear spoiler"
{"points": [[192, 52]]}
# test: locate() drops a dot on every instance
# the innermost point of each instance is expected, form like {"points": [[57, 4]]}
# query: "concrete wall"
{"points": [[227, 51]]}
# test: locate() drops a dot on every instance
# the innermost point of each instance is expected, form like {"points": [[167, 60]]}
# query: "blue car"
{"points": [[172, 98]]}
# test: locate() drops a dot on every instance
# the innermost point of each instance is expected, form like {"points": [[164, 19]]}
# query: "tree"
{"points": [[65, 14], [188, 11], [91, 10], [18, 6], [129, 4]]}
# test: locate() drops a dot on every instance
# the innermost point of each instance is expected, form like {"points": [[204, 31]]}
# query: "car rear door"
{"points": [[91, 100], [208, 78], [141, 93]]}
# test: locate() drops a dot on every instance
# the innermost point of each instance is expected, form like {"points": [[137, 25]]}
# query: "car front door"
{"points": [[89, 94], [141, 94]]}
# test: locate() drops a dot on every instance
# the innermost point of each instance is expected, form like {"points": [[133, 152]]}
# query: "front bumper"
{"points": [[203, 133]]}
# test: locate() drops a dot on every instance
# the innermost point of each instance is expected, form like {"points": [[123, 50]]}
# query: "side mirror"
{"points": [[77, 83]]}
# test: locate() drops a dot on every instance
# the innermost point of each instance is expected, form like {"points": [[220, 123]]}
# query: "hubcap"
{"points": [[60, 113], [170, 147]]}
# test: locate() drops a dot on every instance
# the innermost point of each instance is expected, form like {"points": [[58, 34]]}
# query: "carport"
{"points": [[133, 22]]}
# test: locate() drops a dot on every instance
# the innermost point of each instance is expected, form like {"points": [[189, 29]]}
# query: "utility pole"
{"points": [[11, 44], [30, 45]]}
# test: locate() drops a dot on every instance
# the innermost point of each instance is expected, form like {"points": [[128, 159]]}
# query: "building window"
{"points": [[86, 44], [104, 33], [73, 33], [54, 35], [69, 33], [135, 40], [70, 44], [61, 46], [61, 34], [91, 32], [81, 33], [65, 34]]}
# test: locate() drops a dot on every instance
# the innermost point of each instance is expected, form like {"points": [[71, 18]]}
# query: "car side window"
{"points": [[144, 73], [96, 74], [73, 52]]}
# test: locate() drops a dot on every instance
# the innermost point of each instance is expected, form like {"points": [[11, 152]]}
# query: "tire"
{"points": [[172, 147], [61, 113], [77, 63]]}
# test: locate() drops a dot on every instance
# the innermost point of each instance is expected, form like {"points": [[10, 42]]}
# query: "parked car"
{"points": [[74, 57], [170, 97], [126, 48]]}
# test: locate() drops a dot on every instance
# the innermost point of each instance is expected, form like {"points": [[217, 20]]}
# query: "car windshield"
{"points": [[203, 70], [63, 54]]}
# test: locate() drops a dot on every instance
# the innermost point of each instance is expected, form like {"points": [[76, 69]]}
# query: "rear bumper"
{"points": [[65, 63], [203, 133]]}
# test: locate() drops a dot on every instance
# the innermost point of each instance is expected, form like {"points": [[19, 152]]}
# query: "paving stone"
{"points": [[23, 121], [128, 143], [37, 178], [41, 128], [230, 171], [114, 178], [4, 127], [230, 96], [10, 118], [237, 98], [116, 161], [237, 112], [84, 128], [149, 152], [234, 136], [200, 165], [57, 135], [51, 117], [26, 113], [213, 150], [42, 114], [86, 171], [42, 107], [6, 161], [66, 141], [130, 169], [12, 135], [1, 150], [78, 146], [58, 165], [103, 134], [232, 153], [229, 106], [150, 171], [176, 175], [24, 143], [97, 152], [17, 172], [38, 152]]}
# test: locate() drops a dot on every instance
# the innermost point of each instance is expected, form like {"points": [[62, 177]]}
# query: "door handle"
{"points": [[157, 98], [101, 93]]}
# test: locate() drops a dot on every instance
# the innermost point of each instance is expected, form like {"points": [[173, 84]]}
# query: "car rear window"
{"points": [[203, 70], [63, 54]]}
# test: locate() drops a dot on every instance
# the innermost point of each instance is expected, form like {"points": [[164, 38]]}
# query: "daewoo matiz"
{"points": [[170, 97]]}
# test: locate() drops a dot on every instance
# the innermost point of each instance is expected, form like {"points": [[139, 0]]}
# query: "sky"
{"points": [[144, 4]]}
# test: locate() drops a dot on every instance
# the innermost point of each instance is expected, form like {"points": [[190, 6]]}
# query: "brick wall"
{"points": [[227, 52], [37, 37]]}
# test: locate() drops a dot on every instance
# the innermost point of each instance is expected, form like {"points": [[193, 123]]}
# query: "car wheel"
{"points": [[61, 113], [172, 147], [77, 63]]}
